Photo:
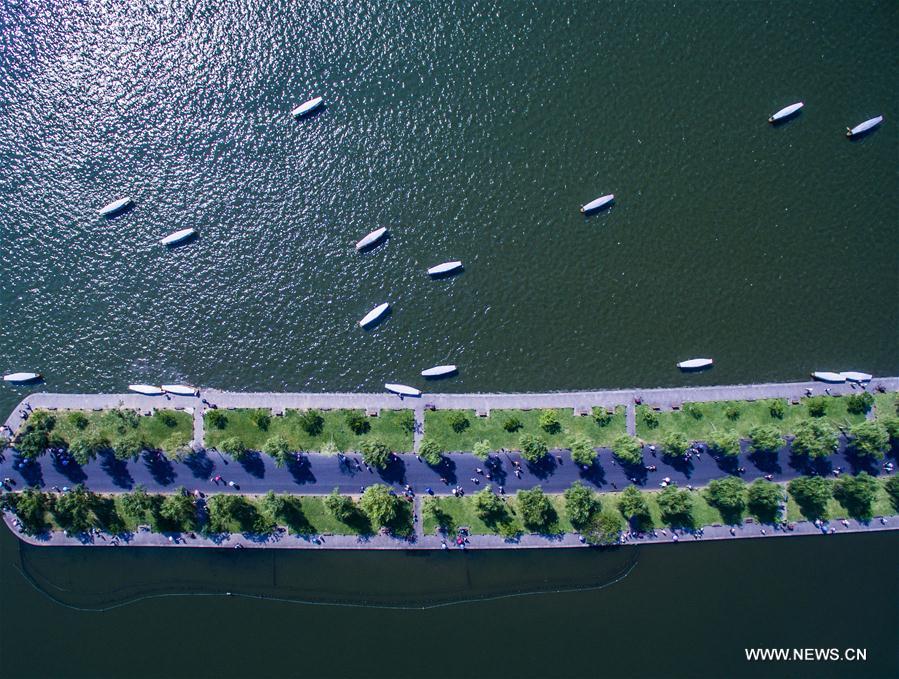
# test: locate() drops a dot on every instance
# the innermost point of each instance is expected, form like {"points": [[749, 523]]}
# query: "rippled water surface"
{"points": [[474, 131]]}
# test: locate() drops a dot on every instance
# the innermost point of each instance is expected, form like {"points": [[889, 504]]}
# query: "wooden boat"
{"points": [[115, 206], [374, 314], [786, 112], [371, 238], [306, 107], [825, 376], [180, 389], [438, 371], [602, 201], [178, 237], [402, 389], [21, 377], [695, 364], [444, 269], [853, 376], [146, 389], [864, 127]]}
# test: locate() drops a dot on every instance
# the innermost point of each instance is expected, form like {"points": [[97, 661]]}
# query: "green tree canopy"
{"points": [[533, 448], [375, 453], [276, 506], [728, 495], [601, 416], [581, 504], [379, 505], [812, 493], [179, 511], [430, 451], [817, 406], [489, 507], [129, 446], [549, 421], [85, 447], [312, 422], [765, 499], [481, 449], [777, 409], [675, 506], [582, 451], [603, 528], [633, 506], [765, 438], [78, 420], [31, 507], [815, 439], [628, 449], [859, 403], [725, 442], [137, 503], [216, 419], [675, 444], [870, 439], [892, 488], [341, 507], [358, 422], [512, 424], [228, 511], [535, 509], [458, 420], [278, 448], [233, 446], [73, 510], [856, 494]]}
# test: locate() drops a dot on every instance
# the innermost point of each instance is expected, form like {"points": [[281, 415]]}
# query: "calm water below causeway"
{"points": [[473, 131]]}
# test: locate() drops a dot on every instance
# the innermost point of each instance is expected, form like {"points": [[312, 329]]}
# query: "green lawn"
{"points": [[881, 507], [712, 417], [157, 431], [438, 428], [886, 405], [388, 426]]}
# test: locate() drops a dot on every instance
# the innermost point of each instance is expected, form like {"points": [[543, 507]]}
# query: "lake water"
{"points": [[474, 131]]}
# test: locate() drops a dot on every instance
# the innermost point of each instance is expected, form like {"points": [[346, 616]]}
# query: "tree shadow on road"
{"points": [[199, 464], [72, 471], [594, 474], [31, 472], [544, 467], [159, 467], [394, 472], [252, 463], [679, 464], [116, 469], [301, 470], [765, 461], [446, 469]]}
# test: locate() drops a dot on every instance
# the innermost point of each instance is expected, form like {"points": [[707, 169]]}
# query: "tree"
{"points": [[35, 437], [649, 416], [512, 424], [549, 421], [137, 503], [728, 495], [777, 409], [488, 506], [128, 447], [765, 499], [817, 406], [694, 410], [675, 506], [856, 494], [262, 419], [582, 451], [31, 507], [177, 446], [406, 420], [375, 453], [860, 403], [227, 510], [358, 422], [276, 506], [892, 489], [870, 439], [604, 528], [234, 447], [341, 507], [481, 449], [725, 442], [535, 509], [815, 438], [179, 510], [891, 424], [312, 422], [628, 449], [812, 493], [430, 451], [533, 448], [633, 507], [379, 505], [675, 444], [85, 447], [278, 448], [216, 419], [764, 438], [78, 420], [73, 509], [602, 417], [581, 504], [732, 412], [166, 417], [458, 420]]}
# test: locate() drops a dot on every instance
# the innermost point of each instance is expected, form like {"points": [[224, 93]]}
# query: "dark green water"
{"points": [[474, 131]]}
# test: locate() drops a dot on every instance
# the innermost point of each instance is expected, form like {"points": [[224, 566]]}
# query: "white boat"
{"points": [[402, 389], [306, 107], [178, 236], [864, 127], [146, 389], [180, 389], [598, 203], [371, 238], [115, 206], [786, 112], [825, 376], [853, 376], [695, 364], [445, 268], [21, 377], [374, 314], [438, 371]]}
